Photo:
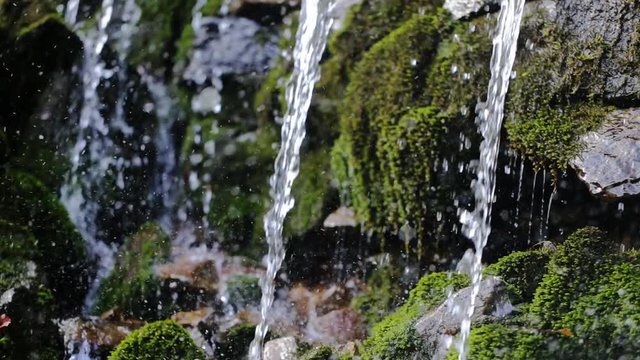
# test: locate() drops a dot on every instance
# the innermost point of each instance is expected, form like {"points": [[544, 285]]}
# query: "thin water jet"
{"points": [[477, 224], [311, 40]]}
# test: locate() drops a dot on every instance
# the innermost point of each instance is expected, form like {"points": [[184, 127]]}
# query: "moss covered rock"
{"points": [[244, 291], [579, 261], [59, 249], [382, 294], [381, 91], [159, 340], [132, 286], [395, 336], [607, 319], [522, 272], [234, 343]]}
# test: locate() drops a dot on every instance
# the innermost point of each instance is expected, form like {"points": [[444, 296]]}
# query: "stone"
{"points": [[610, 160], [198, 274], [341, 218], [230, 46], [339, 326], [464, 8], [280, 349], [444, 322], [193, 318], [617, 22]]}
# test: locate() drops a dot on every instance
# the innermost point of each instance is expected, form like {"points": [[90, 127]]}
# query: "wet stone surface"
{"points": [[610, 160]]}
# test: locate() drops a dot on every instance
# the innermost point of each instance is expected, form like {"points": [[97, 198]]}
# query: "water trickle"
{"points": [[164, 186], [533, 198], [542, 206], [89, 156], [546, 221], [517, 218], [311, 39], [477, 224]]}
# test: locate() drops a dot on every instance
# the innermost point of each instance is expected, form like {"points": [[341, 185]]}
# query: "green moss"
{"points": [[383, 292], [522, 272], [494, 341], [157, 36], [370, 21], [395, 337], [382, 89], [310, 191], [573, 268], [460, 69], [234, 344], [240, 190], [322, 352], [25, 201], [556, 97], [159, 340], [244, 291], [132, 286], [607, 319]]}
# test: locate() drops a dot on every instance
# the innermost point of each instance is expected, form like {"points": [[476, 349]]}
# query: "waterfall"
{"points": [[311, 39], [94, 153], [476, 225]]}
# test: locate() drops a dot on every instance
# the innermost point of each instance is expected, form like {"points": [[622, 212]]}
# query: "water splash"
{"points": [[311, 39], [477, 224]]}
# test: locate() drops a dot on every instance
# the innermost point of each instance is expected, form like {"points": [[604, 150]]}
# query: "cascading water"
{"points": [[311, 39], [477, 223], [93, 154], [89, 158]]}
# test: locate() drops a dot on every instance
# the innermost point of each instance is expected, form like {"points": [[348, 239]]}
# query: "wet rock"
{"points": [[280, 349], [610, 160], [617, 23], [198, 274], [339, 326], [193, 318], [100, 334], [341, 217], [445, 320], [230, 46], [463, 8]]}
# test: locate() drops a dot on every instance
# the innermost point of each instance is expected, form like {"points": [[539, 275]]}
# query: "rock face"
{"points": [[610, 160], [230, 46], [281, 349], [440, 323], [462, 8], [617, 23]]}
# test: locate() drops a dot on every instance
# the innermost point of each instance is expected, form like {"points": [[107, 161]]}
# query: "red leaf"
{"points": [[5, 320]]}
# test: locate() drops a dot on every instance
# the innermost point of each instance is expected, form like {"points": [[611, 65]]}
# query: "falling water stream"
{"points": [[311, 39], [477, 223]]}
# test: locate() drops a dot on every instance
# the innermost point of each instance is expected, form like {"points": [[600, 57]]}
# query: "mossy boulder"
{"points": [[234, 343], [158, 340], [556, 97], [382, 294], [59, 250], [395, 336], [607, 319], [27, 299], [244, 291], [132, 286], [522, 272], [381, 90], [322, 352], [583, 258]]}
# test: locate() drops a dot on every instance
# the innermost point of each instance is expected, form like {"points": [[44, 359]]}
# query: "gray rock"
{"points": [[610, 160], [229, 45], [617, 22], [444, 321], [280, 349], [464, 8]]}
